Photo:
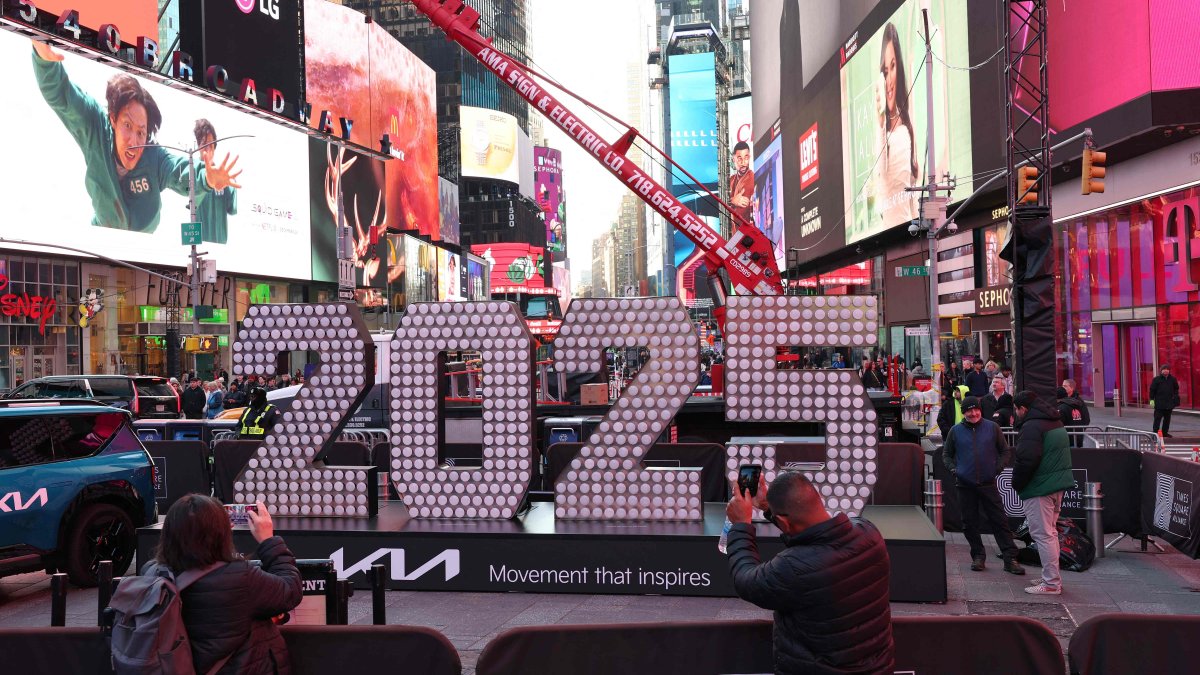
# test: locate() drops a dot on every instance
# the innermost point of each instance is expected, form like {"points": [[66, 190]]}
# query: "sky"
{"points": [[588, 47]]}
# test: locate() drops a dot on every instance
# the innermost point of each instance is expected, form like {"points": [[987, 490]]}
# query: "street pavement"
{"points": [[1128, 580]]}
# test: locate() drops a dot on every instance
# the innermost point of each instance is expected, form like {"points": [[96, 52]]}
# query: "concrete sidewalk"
{"points": [[1182, 424], [1126, 581]]}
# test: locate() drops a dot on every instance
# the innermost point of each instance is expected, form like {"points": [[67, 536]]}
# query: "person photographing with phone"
{"points": [[828, 588]]}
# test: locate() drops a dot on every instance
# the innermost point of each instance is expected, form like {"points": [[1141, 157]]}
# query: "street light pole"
{"points": [[935, 216], [172, 331]]}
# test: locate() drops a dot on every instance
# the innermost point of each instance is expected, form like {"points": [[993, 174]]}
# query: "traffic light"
{"points": [[1027, 185], [208, 343], [961, 327], [1093, 170]]}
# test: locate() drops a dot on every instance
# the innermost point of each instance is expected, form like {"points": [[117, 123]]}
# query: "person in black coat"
{"points": [[1073, 412], [230, 612], [828, 587], [1164, 396], [871, 377], [977, 381], [193, 400], [975, 452], [997, 406]]}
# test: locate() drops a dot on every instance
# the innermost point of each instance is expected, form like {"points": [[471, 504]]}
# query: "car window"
{"points": [[154, 388], [27, 391], [62, 389], [28, 441], [111, 386]]}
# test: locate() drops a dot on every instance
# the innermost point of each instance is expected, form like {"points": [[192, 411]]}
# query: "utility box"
{"points": [[593, 394]]}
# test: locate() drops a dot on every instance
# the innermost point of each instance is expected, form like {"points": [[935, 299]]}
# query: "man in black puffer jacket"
{"points": [[828, 588]]}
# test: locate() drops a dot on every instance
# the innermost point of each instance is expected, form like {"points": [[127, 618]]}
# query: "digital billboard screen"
{"points": [[420, 270], [548, 188], [357, 70], [101, 192], [250, 39], [477, 282], [693, 118], [449, 284], [491, 145], [450, 224], [768, 197], [884, 116], [362, 184], [741, 161]]}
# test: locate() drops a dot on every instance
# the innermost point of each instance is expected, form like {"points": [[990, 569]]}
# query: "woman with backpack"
{"points": [[228, 605]]}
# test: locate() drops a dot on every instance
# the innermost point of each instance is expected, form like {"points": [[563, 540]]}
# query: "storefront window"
{"points": [[1174, 348], [1076, 361]]}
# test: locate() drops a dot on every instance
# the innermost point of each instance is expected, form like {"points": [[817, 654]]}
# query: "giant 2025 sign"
{"points": [[606, 481]]}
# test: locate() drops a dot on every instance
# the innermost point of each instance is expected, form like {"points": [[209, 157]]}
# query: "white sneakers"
{"points": [[1043, 589]]}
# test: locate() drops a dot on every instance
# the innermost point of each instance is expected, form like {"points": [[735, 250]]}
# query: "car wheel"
{"points": [[98, 532]]}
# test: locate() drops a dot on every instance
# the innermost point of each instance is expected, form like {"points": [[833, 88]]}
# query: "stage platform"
{"points": [[534, 553]]}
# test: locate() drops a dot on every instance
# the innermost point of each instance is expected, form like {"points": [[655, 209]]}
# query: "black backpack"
{"points": [[1076, 550]]}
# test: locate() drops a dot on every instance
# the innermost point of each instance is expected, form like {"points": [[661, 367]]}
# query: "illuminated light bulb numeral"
{"points": [[498, 332], [607, 481], [755, 391], [280, 473]]}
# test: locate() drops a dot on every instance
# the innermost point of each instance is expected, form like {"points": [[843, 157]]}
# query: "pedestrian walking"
{"points": [[975, 452], [1164, 398], [977, 381], [1041, 472], [1073, 412]]}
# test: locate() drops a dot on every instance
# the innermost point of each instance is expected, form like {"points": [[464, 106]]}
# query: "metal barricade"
{"points": [[1125, 437]]}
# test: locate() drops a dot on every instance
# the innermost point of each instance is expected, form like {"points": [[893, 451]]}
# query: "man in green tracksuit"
{"points": [[1041, 472], [125, 181], [213, 213]]}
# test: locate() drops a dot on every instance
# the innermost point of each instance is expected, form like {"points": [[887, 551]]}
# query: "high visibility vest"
{"points": [[248, 427]]}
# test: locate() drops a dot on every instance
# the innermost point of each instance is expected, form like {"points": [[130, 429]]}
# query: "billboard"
{"points": [[741, 161], [768, 197], [449, 284], [492, 145], [134, 18], [259, 41], [449, 224], [357, 70], [420, 271], [101, 192], [515, 268], [477, 281], [362, 183], [693, 118], [548, 191], [884, 116]]}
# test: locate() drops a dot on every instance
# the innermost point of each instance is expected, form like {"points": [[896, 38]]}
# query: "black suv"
{"points": [[147, 397]]}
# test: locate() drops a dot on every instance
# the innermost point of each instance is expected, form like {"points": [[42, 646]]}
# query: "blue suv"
{"points": [[75, 484]]}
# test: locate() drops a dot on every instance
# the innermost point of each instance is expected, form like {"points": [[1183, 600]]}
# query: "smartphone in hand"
{"points": [[237, 513], [748, 476]]}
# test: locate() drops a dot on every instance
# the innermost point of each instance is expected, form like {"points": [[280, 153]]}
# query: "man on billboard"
{"points": [[741, 183], [213, 212], [126, 173]]}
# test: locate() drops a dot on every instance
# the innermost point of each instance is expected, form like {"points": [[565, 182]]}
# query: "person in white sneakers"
{"points": [[1041, 472]]}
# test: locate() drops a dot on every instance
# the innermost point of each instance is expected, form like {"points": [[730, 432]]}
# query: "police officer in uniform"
{"points": [[258, 418]]}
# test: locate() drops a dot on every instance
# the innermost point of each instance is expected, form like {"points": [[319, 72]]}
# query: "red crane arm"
{"points": [[747, 259]]}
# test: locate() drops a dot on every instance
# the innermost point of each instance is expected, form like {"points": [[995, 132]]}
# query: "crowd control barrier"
{"points": [[1117, 644], [1170, 490], [970, 644], [313, 650], [180, 468]]}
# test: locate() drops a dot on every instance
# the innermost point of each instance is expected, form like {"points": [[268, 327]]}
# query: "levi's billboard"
{"points": [[83, 181]]}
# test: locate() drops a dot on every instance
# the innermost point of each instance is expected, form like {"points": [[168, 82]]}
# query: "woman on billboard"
{"points": [[126, 173], [898, 168]]}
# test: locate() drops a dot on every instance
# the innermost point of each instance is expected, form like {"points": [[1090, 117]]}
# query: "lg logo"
{"points": [[268, 7]]}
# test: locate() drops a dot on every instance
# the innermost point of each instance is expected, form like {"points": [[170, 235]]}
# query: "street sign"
{"points": [[912, 271], [191, 234], [916, 331]]}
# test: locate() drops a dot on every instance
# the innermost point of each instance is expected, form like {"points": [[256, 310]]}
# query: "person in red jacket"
{"points": [[828, 588]]}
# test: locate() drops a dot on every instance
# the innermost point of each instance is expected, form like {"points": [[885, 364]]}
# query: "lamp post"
{"points": [[172, 331]]}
